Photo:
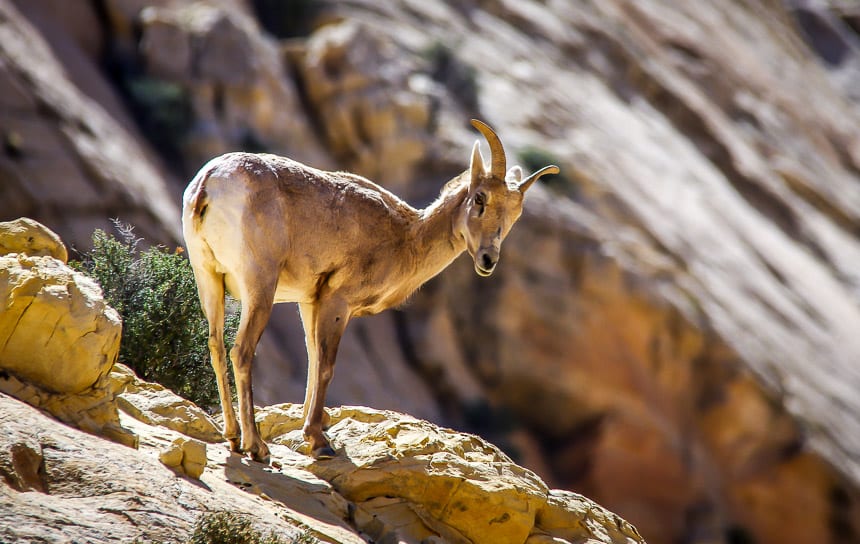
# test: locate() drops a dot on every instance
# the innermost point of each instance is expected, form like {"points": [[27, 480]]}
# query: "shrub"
{"points": [[232, 528], [229, 528], [459, 78], [163, 111], [164, 333]]}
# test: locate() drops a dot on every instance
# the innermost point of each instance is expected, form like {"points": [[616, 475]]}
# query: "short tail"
{"points": [[196, 201], [199, 206]]}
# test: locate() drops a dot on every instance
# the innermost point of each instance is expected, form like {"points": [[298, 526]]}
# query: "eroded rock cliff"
{"points": [[672, 327]]}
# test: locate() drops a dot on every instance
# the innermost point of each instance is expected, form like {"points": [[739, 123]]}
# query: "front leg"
{"points": [[324, 323]]}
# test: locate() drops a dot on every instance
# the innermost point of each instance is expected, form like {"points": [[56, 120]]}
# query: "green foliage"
{"points": [[164, 333], [459, 78], [232, 528], [533, 159], [229, 528], [163, 110]]}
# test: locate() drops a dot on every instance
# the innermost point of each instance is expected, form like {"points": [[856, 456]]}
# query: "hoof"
{"points": [[323, 452], [235, 444], [259, 453], [260, 458]]}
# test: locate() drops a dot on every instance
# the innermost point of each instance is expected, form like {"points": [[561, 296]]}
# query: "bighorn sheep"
{"points": [[271, 230]]}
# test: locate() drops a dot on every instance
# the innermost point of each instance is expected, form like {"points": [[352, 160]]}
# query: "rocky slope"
{"points": [[672, 328], [395, 479]]}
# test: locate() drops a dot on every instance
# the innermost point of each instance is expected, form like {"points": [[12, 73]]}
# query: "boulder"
{"points": [[59, 338], [185, 456], [56, 331], [411, 480], [154, 404], [24, 235]]}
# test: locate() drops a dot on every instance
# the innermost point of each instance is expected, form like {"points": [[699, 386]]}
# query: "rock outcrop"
{"points": [[90, 489], [58, 484], [396, 479], [412, 480], [58, 337], [30, 237], [56, 330]]}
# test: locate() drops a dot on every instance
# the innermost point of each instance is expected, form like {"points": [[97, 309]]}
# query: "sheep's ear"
{"points": [[478, 169], [514, 176], [551, 169]]}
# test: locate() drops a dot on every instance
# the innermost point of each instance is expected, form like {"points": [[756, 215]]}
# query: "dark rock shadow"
{"points": [[295, 488]]}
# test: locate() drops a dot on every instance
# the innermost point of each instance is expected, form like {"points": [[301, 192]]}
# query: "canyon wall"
{"points": [[672, 327]]}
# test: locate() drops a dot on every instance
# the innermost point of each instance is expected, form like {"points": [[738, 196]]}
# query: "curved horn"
{"points": [[551, 169], [497, 152]]}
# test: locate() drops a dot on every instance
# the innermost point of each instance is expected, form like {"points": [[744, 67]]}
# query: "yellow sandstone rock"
{"points": [[30, 237], [410, 479], [93, 410], [186, 456], [153, 404], [58, 337], [56, 331]]}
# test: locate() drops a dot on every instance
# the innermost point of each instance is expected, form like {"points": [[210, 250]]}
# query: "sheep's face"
{"points": [[494, 202], [492, 208]]}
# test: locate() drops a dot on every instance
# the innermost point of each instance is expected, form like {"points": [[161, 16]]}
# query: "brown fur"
{"points": [[271, 230]]}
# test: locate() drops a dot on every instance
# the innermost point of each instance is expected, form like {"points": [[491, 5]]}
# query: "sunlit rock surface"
{"points": [[672, 327]]}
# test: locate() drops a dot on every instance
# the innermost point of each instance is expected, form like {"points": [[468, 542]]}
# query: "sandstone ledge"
{"points": [[396, 477], [412, 479]]}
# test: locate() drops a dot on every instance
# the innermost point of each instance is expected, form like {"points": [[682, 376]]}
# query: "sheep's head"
{"points": [[494, 202]]}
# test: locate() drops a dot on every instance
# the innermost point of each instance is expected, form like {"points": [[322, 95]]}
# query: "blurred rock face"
{"points": [[71, 157], [672, 328]]}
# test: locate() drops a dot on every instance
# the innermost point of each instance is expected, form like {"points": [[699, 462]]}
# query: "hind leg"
{"points": [[256, 309], [210, 286]]}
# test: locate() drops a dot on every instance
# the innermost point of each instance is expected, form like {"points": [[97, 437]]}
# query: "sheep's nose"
{"points": [[485, 263]]}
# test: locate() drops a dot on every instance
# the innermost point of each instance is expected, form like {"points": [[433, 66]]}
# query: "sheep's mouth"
{"points": [[484, 272]]}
